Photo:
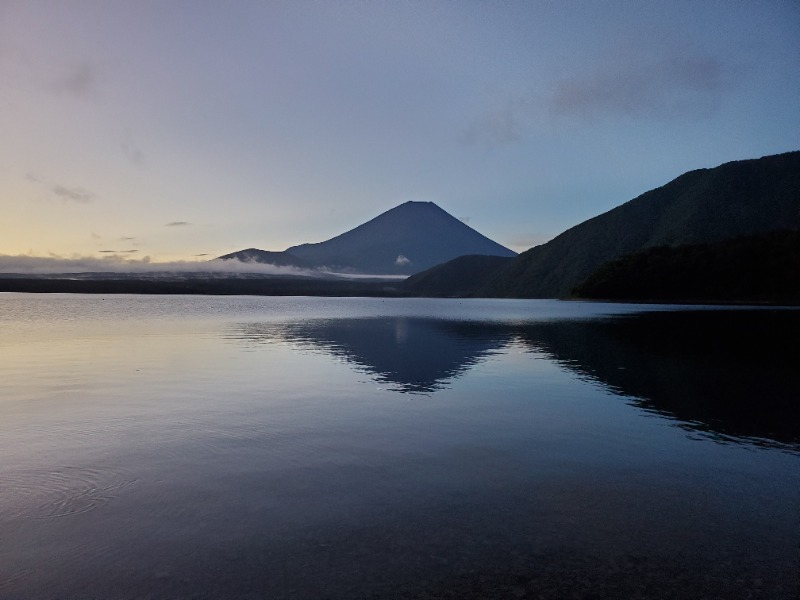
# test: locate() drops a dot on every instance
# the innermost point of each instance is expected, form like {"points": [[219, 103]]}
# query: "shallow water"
{"points": [[228, 447]]}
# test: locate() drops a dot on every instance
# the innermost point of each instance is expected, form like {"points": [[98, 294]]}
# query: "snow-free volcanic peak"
{"points": [[409, 238]]}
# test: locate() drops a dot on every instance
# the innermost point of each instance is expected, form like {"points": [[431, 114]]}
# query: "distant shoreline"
{"points": [[288, 286], [260, 286]]}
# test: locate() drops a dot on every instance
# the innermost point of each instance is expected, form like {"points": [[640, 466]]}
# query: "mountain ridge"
{"points": [[701, 206], [279, 259]]}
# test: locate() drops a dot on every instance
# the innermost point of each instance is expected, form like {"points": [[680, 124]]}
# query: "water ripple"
{"points": [[59, 492]]}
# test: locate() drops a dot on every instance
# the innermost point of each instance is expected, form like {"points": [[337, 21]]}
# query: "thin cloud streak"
{"points": [[72, 194], [65, 193], [177, 224]]}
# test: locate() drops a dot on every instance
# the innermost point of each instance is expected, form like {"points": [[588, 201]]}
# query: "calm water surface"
{"points": [[214, 447]]}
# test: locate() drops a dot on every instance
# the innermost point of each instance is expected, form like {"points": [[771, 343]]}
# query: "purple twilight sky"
{"points": [[181, 130]]}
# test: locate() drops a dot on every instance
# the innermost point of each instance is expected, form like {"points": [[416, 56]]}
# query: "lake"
{"points": [[255, 447]]}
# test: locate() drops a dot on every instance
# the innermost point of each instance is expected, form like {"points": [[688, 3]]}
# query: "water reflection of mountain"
{"points": [[409, 354], [730, 373]]}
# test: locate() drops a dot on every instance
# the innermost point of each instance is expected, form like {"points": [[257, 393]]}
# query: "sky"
{"points": [[157, 132]]}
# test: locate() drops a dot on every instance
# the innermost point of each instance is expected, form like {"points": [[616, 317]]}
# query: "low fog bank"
{"points": [[86, 266]]}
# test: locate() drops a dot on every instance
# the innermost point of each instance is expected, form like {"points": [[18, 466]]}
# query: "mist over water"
{"points": [[210, 447]]}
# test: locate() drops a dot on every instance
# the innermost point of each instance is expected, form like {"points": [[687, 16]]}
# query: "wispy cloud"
{"points": [[132, 151], [72, 194], [80, 80], [669, 87], [63, 192], [22, 69], [117, 251], [505, 125], [177, 224]]}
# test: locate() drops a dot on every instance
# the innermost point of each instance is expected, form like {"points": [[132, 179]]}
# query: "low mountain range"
{"points": [[279, 259], [407, 239]]}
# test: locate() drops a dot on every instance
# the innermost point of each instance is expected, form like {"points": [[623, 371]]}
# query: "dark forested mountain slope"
{"points": [[704, 206], [457, 278]]}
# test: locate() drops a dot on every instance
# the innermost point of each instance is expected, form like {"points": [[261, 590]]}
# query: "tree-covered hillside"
{"points": [[761, 268], [704, 206], [457, 278]]}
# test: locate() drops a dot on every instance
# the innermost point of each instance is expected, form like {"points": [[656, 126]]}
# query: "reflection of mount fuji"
{"points": [[410, 354], [728, 374]]}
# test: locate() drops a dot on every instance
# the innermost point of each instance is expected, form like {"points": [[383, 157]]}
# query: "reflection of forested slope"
{"points": [[732, 373], [415, 355]]}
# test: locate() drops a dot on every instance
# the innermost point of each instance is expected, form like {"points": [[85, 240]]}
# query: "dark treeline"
{"points": [[758, 269], [262, 286]]}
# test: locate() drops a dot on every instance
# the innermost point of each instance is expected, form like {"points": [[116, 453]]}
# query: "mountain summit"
{"points": [[407, 239]]}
